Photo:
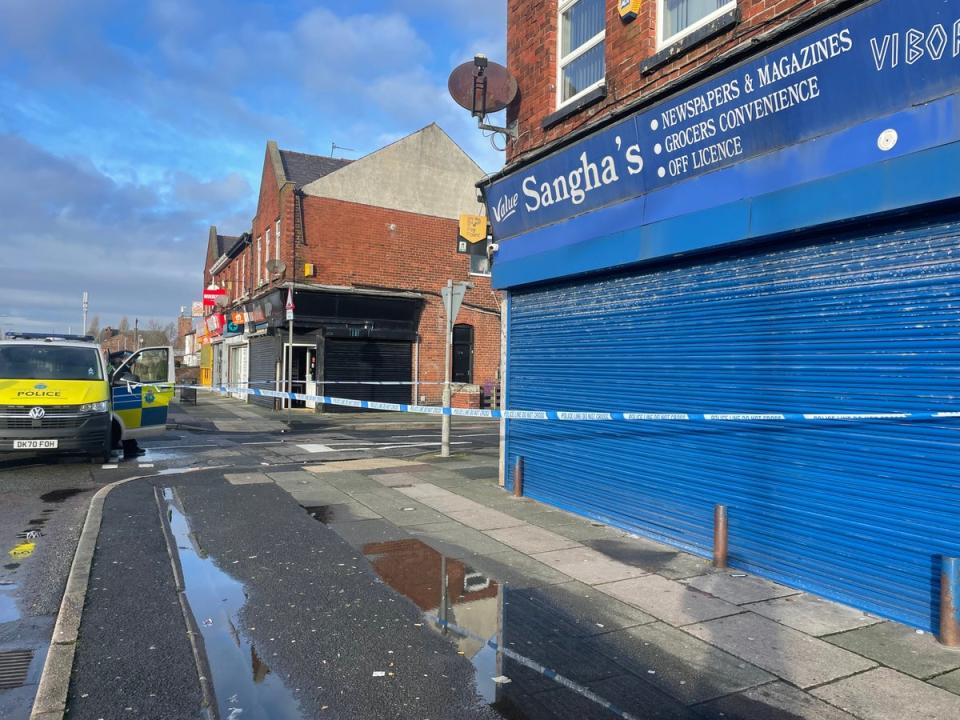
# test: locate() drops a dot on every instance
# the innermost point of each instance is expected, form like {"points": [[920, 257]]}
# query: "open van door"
{"points": [[141, 391]]}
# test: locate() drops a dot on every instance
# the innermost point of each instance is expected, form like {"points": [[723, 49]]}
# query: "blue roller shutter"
{"points": [[857, 511]]}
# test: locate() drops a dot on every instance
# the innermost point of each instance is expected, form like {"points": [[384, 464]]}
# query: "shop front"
{"points": [[353, 344], [736, 268]]}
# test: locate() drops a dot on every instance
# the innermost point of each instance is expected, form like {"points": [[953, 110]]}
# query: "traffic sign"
{"points": [[290, 306]]}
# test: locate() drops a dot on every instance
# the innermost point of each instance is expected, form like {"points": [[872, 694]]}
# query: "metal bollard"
{"points": [[720, 536], [518, 478], [950, 602]]}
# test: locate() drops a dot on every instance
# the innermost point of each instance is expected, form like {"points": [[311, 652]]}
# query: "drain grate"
{"points": [[14, 665]]}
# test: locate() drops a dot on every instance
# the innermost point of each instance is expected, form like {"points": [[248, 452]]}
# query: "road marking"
{"points": [[429, 444], [145, 465], [110, 467]]}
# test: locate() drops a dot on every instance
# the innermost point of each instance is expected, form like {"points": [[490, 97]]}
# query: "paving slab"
{"points": [[684, 667], [586, 609], [948, 681], [812, 615], [799, 659], [484, 519], [651, 556], [669, 600], [901, 648], [451, 503], [313, 495], [425, 490], [554, 519], [360, 533], [293, 478], [885, 694], [773, 701], [342, 512], [361, 464], [455, 542], [531, 539], [584, 533], [396, 479], [738, 588], [588, 565], [247, 479], [517, 570]]}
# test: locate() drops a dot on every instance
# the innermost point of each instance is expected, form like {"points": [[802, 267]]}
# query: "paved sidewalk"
{"points": [[653, 631]]}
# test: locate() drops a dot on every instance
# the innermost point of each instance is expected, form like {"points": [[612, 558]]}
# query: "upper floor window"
{"points": [[260, 259], [277, 240], [677, 18], [582, 63]]}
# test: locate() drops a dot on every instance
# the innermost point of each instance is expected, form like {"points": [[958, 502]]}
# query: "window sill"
{"points": [[576, 106], [688, 42]]}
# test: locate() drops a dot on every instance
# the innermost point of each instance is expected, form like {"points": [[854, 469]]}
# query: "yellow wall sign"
{"points": [[473, 228], [629, 9]]}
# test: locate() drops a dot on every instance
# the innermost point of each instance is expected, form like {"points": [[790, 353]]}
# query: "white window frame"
{"points": [[663, 42], [260, 261], [277, 239], [564, 60], [266, 245]]}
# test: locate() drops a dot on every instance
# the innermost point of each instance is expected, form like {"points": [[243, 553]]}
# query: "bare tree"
{"points": [[94, 327]]}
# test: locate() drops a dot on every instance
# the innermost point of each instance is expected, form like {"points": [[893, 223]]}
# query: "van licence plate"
{"points": [[35, 444]]}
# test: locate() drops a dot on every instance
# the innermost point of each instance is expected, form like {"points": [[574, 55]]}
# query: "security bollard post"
{"points": [[518, 478], [720, 536], [950, 602]]}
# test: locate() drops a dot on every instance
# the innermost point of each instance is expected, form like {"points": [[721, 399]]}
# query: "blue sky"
{"points": [[128, 127]]}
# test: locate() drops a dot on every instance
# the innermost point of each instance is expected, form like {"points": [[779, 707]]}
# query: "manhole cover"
{"points": [[14, 665]]}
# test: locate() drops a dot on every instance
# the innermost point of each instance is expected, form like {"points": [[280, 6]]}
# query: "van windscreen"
{"points": [[43, 362]]}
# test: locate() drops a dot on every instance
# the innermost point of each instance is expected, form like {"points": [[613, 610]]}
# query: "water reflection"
{"points": [[244, 685], [8, 604], [452, 591]]}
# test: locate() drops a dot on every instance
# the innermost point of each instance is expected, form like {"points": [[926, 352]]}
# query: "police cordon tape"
{"points": [[576, 415]]}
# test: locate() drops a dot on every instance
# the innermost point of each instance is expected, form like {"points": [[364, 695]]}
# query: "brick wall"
{"points": [[364, 246], [532, 58]]}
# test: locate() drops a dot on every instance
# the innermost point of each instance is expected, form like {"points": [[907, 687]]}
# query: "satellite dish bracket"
{"points": [[480, 63]]}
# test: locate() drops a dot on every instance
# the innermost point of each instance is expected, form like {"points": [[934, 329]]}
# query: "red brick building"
{"points": [[607, 63], [366, 247]]}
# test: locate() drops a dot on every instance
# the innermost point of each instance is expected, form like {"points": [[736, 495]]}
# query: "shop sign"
{"points": [[888, 56]]}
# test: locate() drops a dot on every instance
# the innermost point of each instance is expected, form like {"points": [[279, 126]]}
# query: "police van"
{"points": [[59, 394]]}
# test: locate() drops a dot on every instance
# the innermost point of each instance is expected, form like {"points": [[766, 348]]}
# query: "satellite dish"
{"points": [[222, 301], [482, 87], [275, 267]]}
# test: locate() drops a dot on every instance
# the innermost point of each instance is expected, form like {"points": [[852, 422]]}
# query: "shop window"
{"points": [[479, 265], [582, 56], [462, 354], [678, 18]]}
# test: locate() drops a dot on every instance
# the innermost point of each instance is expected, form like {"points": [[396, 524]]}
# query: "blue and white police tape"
{"points": [[533, 665], [587, 416]]}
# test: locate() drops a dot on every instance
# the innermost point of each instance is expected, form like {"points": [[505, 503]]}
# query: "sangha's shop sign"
{"points": [[885, 57]]}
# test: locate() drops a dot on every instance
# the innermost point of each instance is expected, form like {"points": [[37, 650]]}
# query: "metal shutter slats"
{"points": [[857, 511]]}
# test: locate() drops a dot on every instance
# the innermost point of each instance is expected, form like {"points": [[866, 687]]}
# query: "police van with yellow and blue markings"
{"points": [[58, 394]]}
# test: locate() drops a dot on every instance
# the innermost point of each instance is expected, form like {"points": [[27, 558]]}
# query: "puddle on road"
{"points": [[452, 591], [58, 496], [8, 604], [244, 684]]}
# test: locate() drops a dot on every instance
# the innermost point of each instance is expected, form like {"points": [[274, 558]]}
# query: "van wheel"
{"points": [[115, 433]]}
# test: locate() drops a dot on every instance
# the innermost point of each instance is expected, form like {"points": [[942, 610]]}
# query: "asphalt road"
{"points": [[134, 657]]}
